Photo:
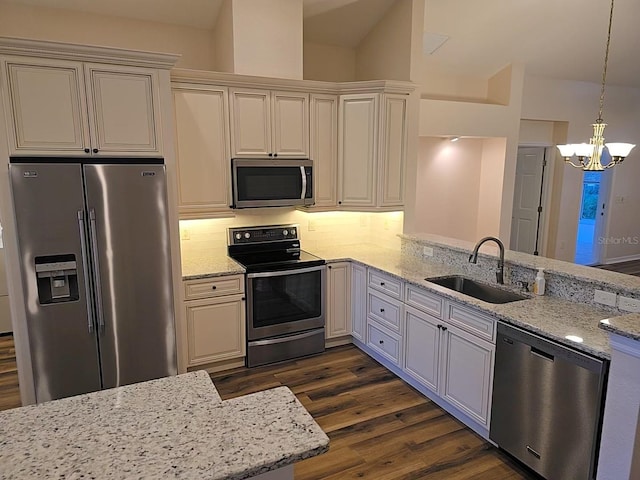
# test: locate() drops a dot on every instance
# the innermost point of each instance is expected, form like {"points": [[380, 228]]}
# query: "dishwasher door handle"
{"points": [[542, 354]]}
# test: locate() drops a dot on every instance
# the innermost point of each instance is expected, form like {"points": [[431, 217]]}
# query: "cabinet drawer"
{"points": [[385, 283], [423, 300], [213, 287], [473, 322], [385, 310], [385, 343]]}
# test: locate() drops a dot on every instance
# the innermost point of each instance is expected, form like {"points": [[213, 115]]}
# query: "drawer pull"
{"points": [[382, 310], [213, 287], [381, 342], [382, 284]]}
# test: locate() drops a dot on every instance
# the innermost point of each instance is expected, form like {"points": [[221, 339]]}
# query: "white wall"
{"points": [[223, 38], [491, 186], [577, 104], [267, 38], [329, 63], [195, 45], [446, 118], [385, 52], [447, 189], [316, 229]]}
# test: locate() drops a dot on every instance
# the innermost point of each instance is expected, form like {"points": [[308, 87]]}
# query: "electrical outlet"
{"points": [[619, 199], [629, 304], [312, 226], [427, 251], [605, 298], [185, 234]]}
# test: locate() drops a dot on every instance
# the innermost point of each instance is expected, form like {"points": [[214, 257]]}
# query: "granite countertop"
{"points": [[553, 318], [626, 326], [175, 427], [198, 263]]}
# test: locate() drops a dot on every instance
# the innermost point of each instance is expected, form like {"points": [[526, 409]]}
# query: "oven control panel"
{"points": [[264, 234]]}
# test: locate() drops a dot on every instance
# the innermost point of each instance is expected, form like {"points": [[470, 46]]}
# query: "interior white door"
{"points": [[525, 228]]}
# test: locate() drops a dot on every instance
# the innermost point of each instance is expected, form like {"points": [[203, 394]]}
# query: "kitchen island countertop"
{"points": [[175, 427], [625, 325]]}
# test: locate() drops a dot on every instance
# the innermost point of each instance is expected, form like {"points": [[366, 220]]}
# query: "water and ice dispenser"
{"points": [[57, 277]]}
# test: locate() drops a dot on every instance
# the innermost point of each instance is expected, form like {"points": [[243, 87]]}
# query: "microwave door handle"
{"points": [[303, 174]]}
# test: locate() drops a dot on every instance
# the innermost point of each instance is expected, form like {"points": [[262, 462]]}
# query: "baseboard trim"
{"points": [[627, 258]]}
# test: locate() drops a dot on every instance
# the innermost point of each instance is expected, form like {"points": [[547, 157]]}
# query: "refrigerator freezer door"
{"points": [[64, 351], [127, 207]]}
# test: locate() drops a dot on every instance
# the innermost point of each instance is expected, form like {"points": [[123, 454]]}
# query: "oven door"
{"points": [[283, 302]]}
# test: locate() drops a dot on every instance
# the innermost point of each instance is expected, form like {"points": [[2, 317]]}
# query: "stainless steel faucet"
{"points": [[473, 258]]}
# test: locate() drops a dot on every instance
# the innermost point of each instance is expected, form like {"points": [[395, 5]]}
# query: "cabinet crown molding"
{"points": [[204, 77], [86, 53]]}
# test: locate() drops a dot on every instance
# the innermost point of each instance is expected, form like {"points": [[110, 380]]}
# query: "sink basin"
{"points": [[481, 291]]}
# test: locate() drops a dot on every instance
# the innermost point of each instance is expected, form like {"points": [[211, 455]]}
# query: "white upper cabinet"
{"points": [[290, 124], [202, 145], [250, 123], [47, 103], [372, 143], [324, 148], [269, 124], [124, 112], [358, 149], [73, 108], [393, 146]]}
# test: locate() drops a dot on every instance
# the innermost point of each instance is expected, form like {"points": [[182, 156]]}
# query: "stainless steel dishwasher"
{"points": [[547, 404]]}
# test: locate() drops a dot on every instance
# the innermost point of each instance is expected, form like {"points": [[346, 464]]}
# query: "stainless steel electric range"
{"points": [[285, 293]]}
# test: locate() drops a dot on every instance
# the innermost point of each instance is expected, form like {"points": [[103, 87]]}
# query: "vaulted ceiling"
{"points": [[562, 39]]}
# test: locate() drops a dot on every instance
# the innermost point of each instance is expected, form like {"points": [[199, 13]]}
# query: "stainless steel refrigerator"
{"points": [[96, 272]]}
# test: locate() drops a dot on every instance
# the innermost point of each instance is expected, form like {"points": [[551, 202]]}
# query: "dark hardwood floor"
{"points": [[630, 268], [9, 392], [380, 428]]}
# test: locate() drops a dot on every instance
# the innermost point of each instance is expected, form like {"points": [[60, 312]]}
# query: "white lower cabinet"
{"points": [[448, 349], [358, 302], [422, 347], [338, 303], [467, 373], [215, 319]]}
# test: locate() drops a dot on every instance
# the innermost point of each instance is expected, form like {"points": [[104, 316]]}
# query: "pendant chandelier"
{"points": [[589, 155]]}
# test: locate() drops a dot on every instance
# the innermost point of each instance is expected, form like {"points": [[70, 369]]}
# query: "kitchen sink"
{"points": [[478, 290]]}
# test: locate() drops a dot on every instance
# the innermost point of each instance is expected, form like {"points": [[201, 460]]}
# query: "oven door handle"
{"points": [[303, 173], [282, 273], [286, 338]]}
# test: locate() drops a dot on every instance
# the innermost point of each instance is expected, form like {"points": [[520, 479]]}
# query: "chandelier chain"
{"points": [[606, 61]]}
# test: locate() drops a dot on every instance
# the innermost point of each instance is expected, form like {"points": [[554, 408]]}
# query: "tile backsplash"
{"points": [[316, 229]]}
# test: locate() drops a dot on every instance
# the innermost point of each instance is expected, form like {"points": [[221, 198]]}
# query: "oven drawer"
{"points": [[386, 283], [384, 342], [213, 287], [385, 310]]}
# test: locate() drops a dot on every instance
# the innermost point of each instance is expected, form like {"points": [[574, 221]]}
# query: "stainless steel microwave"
{"points": [[271, 182]]}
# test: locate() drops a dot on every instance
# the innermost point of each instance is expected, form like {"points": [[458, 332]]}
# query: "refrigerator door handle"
{"points": [[85, 269], [96, 269]]}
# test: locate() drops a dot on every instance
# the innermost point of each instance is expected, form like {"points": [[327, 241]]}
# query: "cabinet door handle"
{"points": [[271, 154], [87, 150], [381, 342], [439, 327], [382, 284], [382, 310], [275, 154], [95, 150], [243, 299], [329, 267], [213, 287], [444, 329]]}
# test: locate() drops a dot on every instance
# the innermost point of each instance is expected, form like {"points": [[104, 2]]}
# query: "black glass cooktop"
{"points": [[276, 260]]}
